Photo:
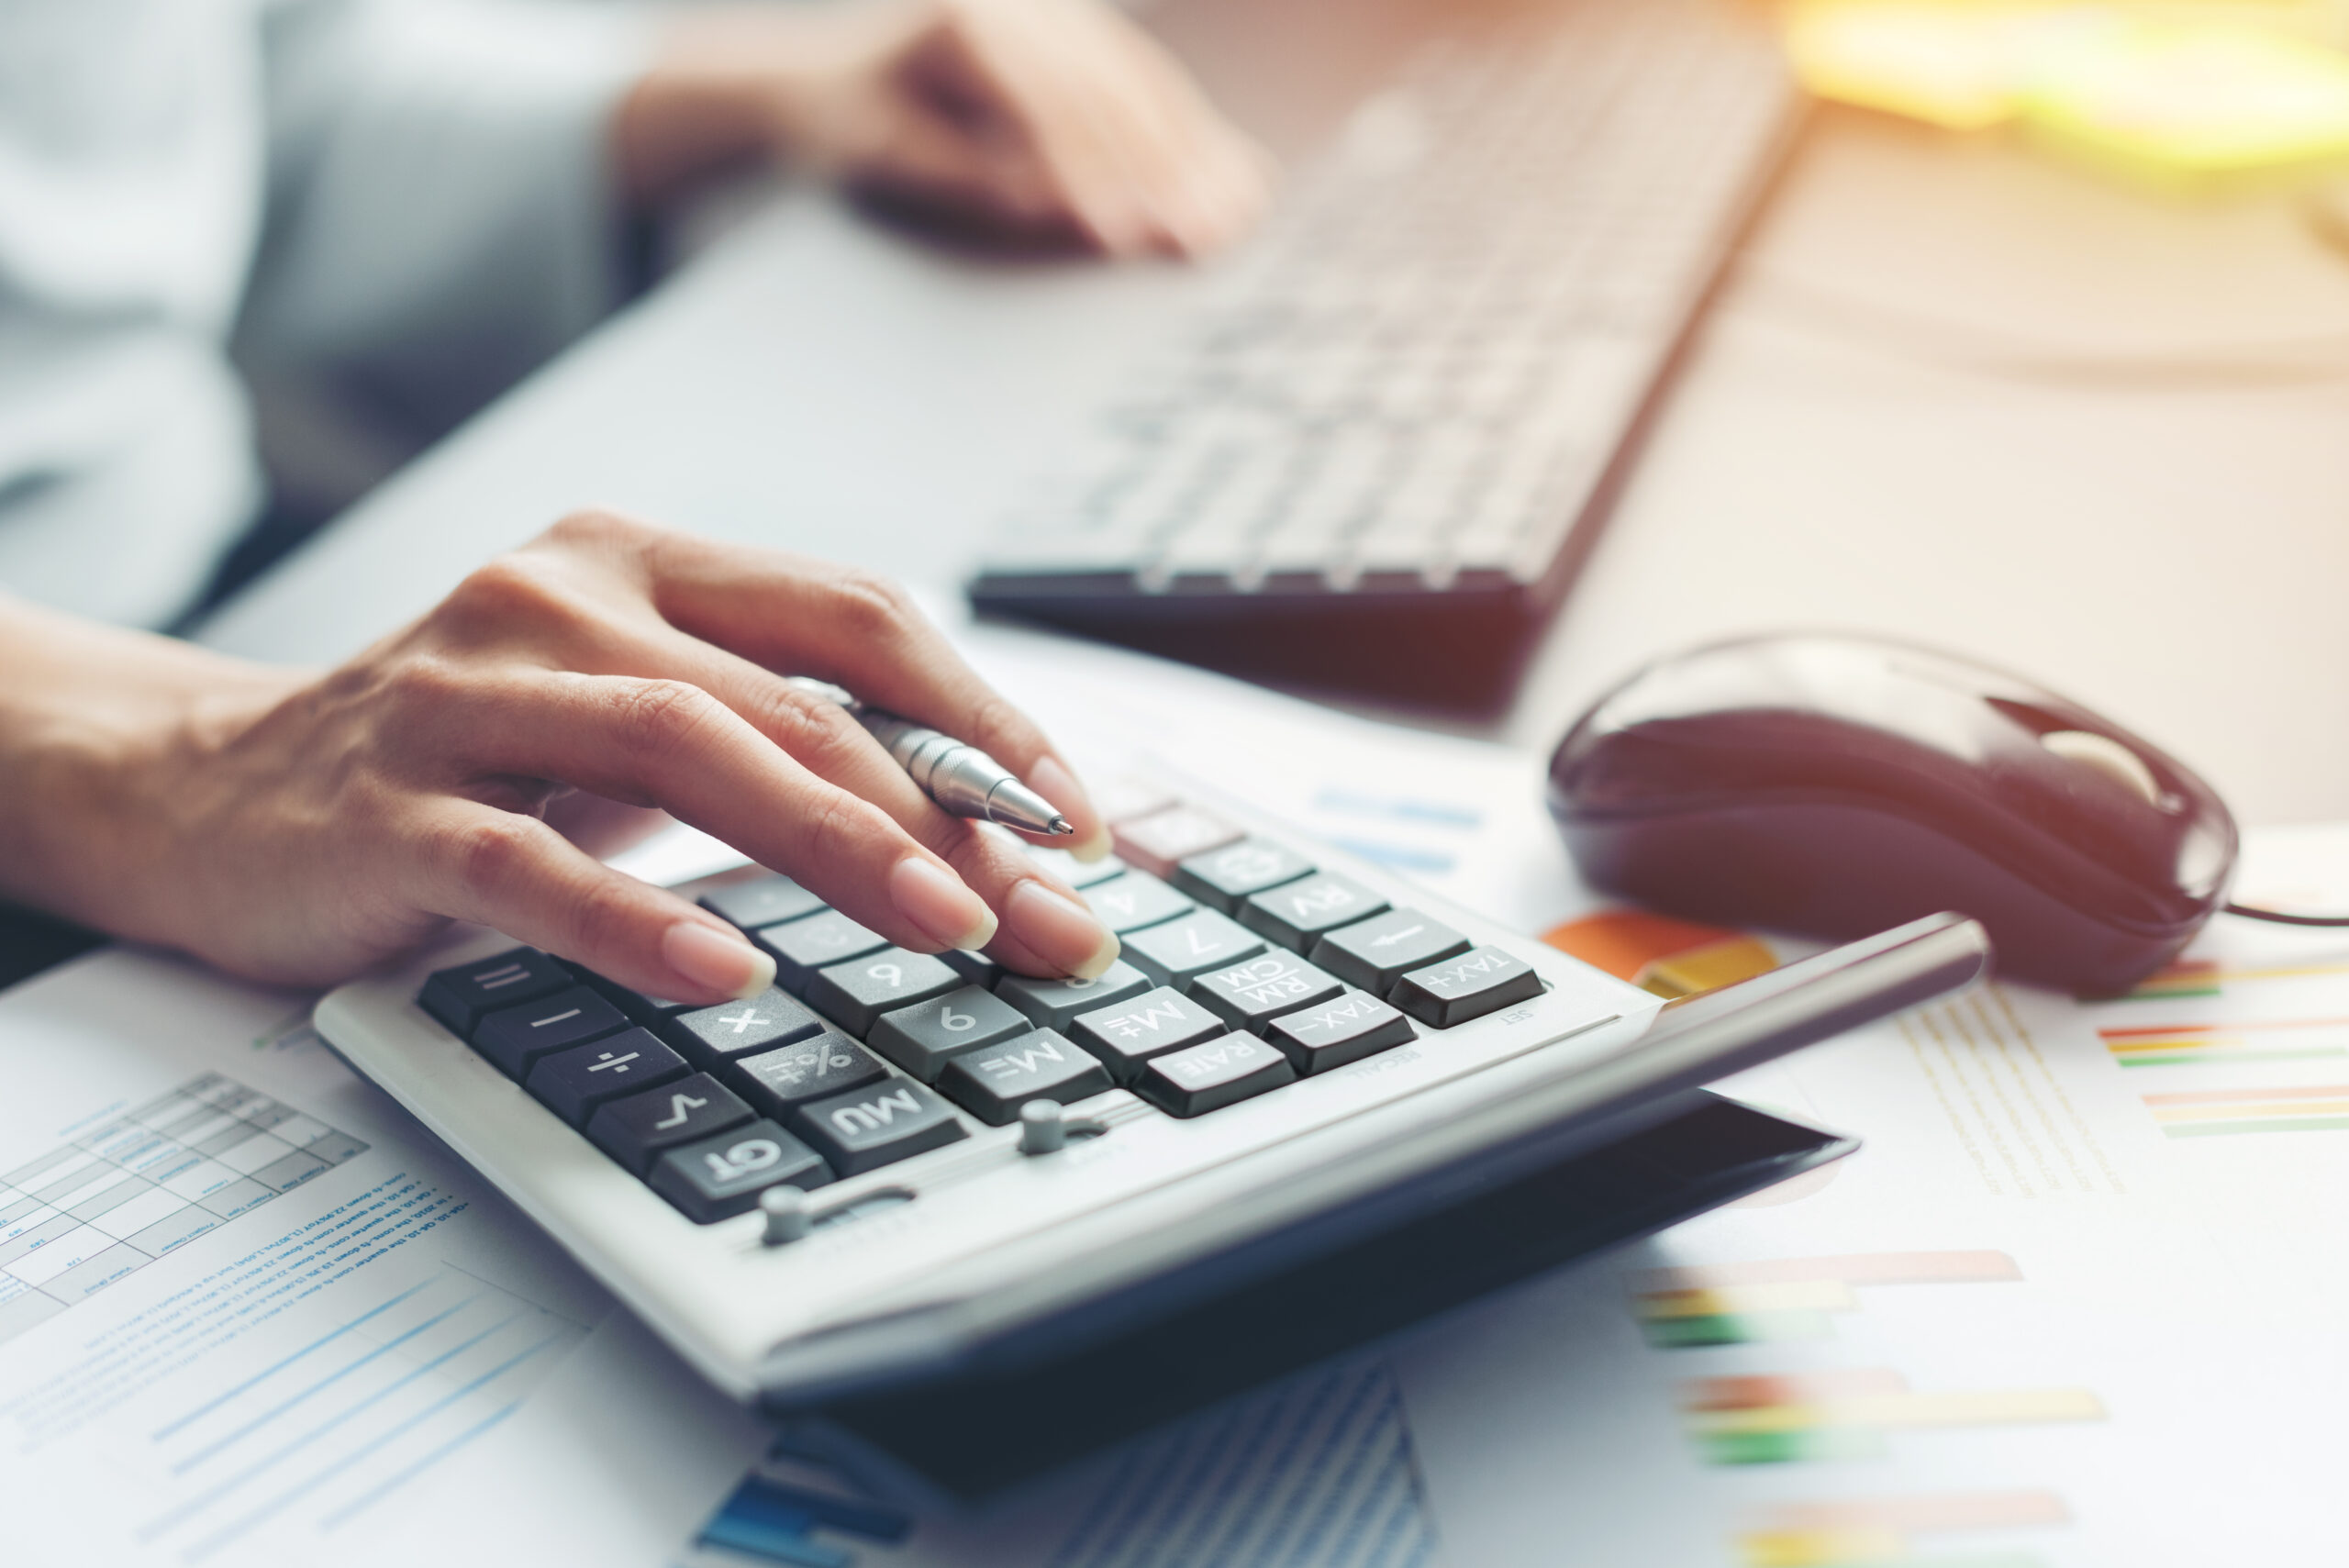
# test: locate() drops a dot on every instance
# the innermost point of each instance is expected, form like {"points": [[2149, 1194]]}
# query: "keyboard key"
{"points": [[975, 967], [854, 993], [1134, 900], [710, 1037], [762, 901], [827, 1063], [1079, 874], [635, 1129], [516, 1036], [1251, 995], [1376, 952], [879, 1125], [641, 1006], [1223, 878], [1295, 915], [1051, 1004], [994, 1082], [1131, 1033], [1354, 1025], [460, 997], [1198, 941], [573, 1083], [722, 1176], [803, 947], [1208, 1077], [1479, 982], [1164, 839], [923, 1038]]}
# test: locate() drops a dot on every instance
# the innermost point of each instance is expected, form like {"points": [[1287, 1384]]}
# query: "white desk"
{"points": [[1903, 419]]}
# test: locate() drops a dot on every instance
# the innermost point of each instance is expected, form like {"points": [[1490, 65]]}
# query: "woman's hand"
{"points": [[1043, 117], [298, 827]]}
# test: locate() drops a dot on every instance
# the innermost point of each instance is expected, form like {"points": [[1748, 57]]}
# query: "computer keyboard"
{"points": [[1371, 463]]}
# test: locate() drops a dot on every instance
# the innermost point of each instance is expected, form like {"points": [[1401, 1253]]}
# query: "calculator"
{"points": [[896, 1168]]}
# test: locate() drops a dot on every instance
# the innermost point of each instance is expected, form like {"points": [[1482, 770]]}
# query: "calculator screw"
{"points": [[1042, 1128], [787, 1217]]}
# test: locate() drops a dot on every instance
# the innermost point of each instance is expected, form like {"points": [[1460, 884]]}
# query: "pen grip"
{"points": [[958, 777]]}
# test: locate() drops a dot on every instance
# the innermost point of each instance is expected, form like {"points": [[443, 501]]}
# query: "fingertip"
{"points": [[1052, 778], [716, 960], [938, 902]]}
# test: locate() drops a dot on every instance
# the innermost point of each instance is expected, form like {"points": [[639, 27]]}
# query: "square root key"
{"points": [[1223, 877], [1376, 952], [710, 1037], [635, 1129], [1480, 981], [854, 993], [1251, 995], [994, 1082], [826, 1064], [803, 947], [1127, 1035], [573, 1083], [924, 1037], [1208, 1077], [1354, 1025], [1163, 840], [722, 1176], [1191, 945], [461, 997], [761, 901], [513, 1038], [879, 1125], [1296, 914], [1053, 1004]]}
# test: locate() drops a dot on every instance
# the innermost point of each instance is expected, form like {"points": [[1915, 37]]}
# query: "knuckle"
{"points": [[658, 718], [510, 590], [489, 856], [871, 608], [594, 528], [602, 915], [817, 734], [839, 820], [1001, 729]]}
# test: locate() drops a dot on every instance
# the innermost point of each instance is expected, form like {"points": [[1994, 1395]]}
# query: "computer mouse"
{"points": [[1835, 785]]}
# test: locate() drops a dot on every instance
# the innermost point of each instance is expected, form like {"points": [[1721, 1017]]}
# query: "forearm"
{"points": [[724, 91]]}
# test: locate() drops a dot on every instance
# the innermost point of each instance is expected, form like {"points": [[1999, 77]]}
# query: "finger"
{"points": [[518, 875]]}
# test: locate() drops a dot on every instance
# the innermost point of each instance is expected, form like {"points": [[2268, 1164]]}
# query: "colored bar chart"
{"points": [[2262, 1040], [1875, 1532], [2209, 977], [2207, 1113], [1777, 1299], [1657, 952], [1847, 1413]]}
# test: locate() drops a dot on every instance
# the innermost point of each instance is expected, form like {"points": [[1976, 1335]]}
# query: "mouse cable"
{"points": [[2248, 913]]}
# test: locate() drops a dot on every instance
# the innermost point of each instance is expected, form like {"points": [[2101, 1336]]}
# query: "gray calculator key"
{"points": [[1354, 1025], [1222, 878], [877, 1126], [826, 1064], [460, 997], [923, 1038], [573, 1083], [722, 1176], [762, 901], [1211, 1076], [803, 947], [1251, 994], [1376, 952], [854, 993], [1079, 874], [516, 1036], [975, 967], [1480, 981], [710, 1037], [1052, 1003], [994, 1082], [1130, 901], [1132, 1032], [1192, 945], [1298, 913], [635, 1129]]}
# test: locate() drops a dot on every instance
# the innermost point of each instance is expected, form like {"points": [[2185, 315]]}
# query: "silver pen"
{"points": [[962, 779]]}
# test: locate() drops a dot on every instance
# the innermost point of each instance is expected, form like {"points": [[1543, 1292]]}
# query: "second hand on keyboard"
{"points": [[961, 778]]}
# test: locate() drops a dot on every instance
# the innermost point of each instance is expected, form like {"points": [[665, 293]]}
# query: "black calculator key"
{"points": [[1132, 1032], [1079, 874], [1224, 877], [826, 1064], [720, 1178], [976, 968], [635, 1129], [803, 947], [1481, 981], [1192, 944], [1208, 1077], [1253, 993], [573, 1083], [710, 1037], [1376, 953], [1051, 1004], [762, 901], [462, 997], [994, 1082], [1295, 915], [1128, 903], [854, 993], [923, 1039], [641, 1006], [1354, 1025], [515, 1037], [869, 1127]]}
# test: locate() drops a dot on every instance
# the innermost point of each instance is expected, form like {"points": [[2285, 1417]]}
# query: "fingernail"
{"points": [[1060, 931], [935, 899], [718, 961], [1051, 779]]}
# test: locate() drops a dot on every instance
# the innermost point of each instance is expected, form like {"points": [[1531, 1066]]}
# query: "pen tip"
{"points": [[1061, 827]]}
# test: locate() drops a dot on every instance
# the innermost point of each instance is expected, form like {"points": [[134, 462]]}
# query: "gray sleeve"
{"points": [[441, 212]]}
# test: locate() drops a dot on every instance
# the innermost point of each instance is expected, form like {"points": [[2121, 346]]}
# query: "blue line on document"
{"points": [[266, 1372], [368, 1500]]}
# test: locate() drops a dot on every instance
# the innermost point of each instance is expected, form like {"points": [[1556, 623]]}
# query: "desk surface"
{"points": [[1953, 392]]}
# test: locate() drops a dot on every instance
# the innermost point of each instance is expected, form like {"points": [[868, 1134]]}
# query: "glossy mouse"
{"points": [[1837, 785]]}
